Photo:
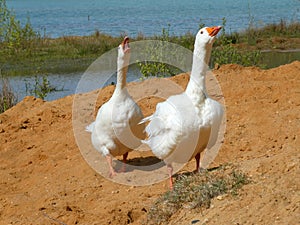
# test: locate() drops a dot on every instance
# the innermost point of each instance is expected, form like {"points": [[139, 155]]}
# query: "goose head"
{"points": [[206, 36], [124, 52]]}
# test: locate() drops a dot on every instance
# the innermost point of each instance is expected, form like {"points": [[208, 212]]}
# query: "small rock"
{"points": [[205, 220], [195, 221], [68, 208], [144, 210], [220, 197], [131, 187]]}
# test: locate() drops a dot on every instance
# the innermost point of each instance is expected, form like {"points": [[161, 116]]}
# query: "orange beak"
{"points": [[213, 31]]}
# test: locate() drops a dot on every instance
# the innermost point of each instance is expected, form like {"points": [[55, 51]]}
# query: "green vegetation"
{"points": [[13, 37], [225, 52], [61, 55], [194, 191], [71, 54], [155, 66], [7, 97], [41, 87], [283, 35]]}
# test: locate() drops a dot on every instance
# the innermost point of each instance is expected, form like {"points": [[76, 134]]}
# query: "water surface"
{"points": [[76, 17]]}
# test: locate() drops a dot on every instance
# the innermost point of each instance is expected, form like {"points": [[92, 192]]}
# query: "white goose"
{"points": [[185, 124], [116, 130]]}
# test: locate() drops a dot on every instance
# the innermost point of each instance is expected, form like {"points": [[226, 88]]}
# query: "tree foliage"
{"points": [[14, 36]]}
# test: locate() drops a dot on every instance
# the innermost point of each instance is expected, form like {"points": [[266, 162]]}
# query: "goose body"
{"points": [[177, 133], [116, 130], [185, 124], [116, 125]]}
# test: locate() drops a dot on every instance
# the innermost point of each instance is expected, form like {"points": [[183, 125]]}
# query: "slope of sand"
{"points": [[45, 179]]}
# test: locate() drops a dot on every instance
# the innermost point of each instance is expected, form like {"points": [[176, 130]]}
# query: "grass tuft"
{"points": [[195, 191]]}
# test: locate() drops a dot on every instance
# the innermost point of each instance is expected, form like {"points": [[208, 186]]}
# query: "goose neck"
{"points": [[196, 85], [122, 67], [121, 78]]}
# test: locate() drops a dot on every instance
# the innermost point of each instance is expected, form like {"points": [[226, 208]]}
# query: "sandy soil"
{"points": [[46, 180]]}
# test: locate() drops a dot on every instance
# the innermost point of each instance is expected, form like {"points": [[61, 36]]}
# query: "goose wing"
{"points": [[168, 125], [214, 113]]}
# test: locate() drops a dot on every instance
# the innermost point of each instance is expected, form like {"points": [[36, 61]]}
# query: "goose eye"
{"points": [[201, 32]]}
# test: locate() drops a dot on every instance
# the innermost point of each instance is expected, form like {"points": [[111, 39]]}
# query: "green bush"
{"points": [[226, 53], [154, 66], [41, 88]]}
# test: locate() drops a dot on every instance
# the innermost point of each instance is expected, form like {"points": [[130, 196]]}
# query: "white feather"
{"points": [[90, 127]]}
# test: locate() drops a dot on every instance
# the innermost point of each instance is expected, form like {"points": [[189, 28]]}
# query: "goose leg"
{"points": [[197, 157], [123, 168], [111, 169], [170, 171]]}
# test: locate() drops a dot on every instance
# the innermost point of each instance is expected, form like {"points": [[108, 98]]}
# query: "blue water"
{"points": [[65, 83], [56, 18]]}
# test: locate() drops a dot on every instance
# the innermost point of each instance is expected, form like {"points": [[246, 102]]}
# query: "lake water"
{"points": [[76, 17], [57, 18], [66, 84]]}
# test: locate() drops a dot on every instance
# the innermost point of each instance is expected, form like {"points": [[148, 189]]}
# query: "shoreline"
{"points": [[68, 54]]}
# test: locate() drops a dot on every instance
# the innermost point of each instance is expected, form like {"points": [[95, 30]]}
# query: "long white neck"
{"points": [[121, 74], [196, 88]]}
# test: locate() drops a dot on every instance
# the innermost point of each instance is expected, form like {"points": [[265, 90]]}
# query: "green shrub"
{"points": [[154, 65], [13, 36], [226, 53]]}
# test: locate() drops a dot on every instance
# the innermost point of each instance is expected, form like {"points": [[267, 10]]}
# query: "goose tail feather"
{"points": [[90, 127]]}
